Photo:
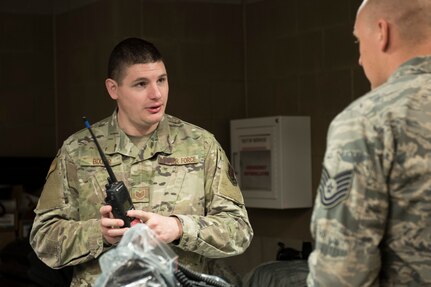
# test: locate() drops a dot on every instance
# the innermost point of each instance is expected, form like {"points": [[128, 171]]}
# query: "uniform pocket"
{"points": [[93, 178], [179, 186], [166, 188]]}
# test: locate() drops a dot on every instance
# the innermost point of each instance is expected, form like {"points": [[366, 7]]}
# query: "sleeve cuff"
{"points": [[96, 244], [188, 240]]}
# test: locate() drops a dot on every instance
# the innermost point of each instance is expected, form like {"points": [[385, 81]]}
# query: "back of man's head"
{"points": [[129, 52], [411, 18]]}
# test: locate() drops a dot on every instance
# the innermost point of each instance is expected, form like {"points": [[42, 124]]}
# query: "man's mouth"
{"points": [[155, 109]]}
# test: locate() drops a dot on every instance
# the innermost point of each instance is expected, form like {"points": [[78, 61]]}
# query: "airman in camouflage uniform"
{"points": [[372, 215], [180, 174]]}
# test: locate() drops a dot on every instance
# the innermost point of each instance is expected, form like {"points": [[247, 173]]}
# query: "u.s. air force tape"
{"points": [[334, 189]]}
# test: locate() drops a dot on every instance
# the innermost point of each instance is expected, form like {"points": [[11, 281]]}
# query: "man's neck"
{"points": [[134, 130]]}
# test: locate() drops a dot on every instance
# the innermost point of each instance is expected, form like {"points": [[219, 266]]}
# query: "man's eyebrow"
{"points": [[145, 79], [140, 79]]}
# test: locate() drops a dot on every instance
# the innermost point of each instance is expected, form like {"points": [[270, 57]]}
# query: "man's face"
{"points": [[367, 35], [141, 97]]}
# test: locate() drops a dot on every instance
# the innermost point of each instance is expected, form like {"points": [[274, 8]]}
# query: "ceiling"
{"points": [[60, 6], [41, 6]]}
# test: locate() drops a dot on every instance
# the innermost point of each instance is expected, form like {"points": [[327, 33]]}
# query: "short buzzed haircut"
{"points": [[129, 52], [412, 17]]}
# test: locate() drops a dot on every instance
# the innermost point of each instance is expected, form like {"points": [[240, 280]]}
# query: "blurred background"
{"points": [[226, 59]]}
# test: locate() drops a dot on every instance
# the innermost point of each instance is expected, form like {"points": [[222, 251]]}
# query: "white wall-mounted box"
{"points": [[272, 160]]}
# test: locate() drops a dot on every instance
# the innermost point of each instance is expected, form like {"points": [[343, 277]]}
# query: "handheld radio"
{"points": [[117, 194]]}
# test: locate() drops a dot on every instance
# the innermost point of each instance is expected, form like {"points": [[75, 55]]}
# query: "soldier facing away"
{"points": [[372, 215], [178, 176]]}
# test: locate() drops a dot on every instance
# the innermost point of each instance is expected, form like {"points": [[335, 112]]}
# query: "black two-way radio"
{"points": [[117, 194]]}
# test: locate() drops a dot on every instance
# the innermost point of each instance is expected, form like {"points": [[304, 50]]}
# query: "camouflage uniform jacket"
{"points": [[183, 171], [372, 215]]}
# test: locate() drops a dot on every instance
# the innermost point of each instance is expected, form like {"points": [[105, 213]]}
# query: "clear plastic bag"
{"points": [[140, 259]]}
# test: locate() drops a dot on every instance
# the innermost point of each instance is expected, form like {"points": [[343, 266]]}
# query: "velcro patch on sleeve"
{"points": [[52, 167], [231, 175], [335, 189]]}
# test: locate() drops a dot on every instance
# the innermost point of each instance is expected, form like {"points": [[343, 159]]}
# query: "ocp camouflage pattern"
{"points": [[183, 171], [378, 149]]}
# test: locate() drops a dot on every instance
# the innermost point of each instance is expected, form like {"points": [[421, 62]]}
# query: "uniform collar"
{"points": [[417, 65], [119, 142]]}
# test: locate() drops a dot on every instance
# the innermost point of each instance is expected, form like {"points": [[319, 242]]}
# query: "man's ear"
{"points": [[384, 35], [112, 87]]}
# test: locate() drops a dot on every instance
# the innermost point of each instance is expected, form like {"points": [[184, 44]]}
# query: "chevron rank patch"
{"points": [[335, 189]]}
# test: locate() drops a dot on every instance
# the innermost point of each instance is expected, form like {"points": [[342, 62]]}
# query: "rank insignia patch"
{"points": [[140, 194], [335, 189]]}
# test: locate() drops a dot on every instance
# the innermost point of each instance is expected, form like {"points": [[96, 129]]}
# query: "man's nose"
{"points": [[360, 61], [155, 92]]}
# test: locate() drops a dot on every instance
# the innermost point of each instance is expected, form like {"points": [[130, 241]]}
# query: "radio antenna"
{"points": [[112, 177]]}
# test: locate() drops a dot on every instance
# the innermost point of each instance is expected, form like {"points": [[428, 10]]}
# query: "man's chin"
{"points": [[155, 118]]}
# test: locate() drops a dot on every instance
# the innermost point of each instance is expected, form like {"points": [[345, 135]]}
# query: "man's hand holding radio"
{"points": [[166, 228], [111, 227]]}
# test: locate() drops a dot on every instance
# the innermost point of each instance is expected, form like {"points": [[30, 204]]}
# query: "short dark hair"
{"points": [[128, 52]]}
